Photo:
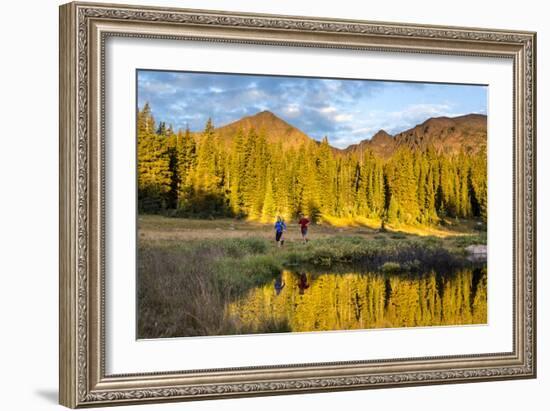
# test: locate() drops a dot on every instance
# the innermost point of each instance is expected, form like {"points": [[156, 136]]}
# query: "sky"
{"points": [[346, 111]]}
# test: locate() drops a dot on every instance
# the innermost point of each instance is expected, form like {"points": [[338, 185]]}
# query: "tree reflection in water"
{"points": [[354, 301]]}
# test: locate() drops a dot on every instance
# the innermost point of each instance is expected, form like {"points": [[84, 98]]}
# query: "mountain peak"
{"points": [[275, 129], [265, 117], [264, 120], [381, 136], [264, 113], [381, 143]]}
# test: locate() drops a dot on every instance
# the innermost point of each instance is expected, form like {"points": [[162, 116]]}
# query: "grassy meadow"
{"points": [[190, 269]]}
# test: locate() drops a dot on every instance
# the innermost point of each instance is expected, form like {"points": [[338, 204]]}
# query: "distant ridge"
{"points": [[448, 135]]}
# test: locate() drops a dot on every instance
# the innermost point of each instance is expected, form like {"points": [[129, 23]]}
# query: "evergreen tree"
{"points": [[325, 166], [206, 178], [186, 152], [478, 183], [269, 207], [154, 172], [236, 169], [145, 121]]}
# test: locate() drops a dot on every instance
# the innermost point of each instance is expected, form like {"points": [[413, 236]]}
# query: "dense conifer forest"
{"points": [[199, 174]]}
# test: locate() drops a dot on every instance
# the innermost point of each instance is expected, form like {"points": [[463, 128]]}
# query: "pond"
{"points": [[305, 301]]}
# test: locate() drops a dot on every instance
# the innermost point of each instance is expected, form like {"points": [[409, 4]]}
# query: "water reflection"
{"points": [[322, 302], [279, 284], [303, 284]]}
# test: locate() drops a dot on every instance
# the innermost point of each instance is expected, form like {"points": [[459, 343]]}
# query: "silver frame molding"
{"points": [[84, 28]]}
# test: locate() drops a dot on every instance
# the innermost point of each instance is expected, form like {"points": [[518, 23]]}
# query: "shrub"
{"points": [[398, 236], [432, 241], [465, 241], [240, 274], [237, 247], [390, 267]]}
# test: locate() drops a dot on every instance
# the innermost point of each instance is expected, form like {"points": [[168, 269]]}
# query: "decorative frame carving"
{"points": [[83, 30]]}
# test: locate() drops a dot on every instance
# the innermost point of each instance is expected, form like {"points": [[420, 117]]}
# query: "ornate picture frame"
{"points": [[84, 29]]}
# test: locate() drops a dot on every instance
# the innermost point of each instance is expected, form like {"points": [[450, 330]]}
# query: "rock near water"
{"points": [[477, 252]]}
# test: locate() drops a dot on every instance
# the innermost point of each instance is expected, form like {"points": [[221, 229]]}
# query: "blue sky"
{"points": [[346, 111]]}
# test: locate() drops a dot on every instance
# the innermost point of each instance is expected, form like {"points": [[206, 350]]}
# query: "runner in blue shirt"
{"points": [[280, 228]]}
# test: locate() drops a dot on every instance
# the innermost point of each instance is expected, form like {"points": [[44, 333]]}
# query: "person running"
{"points": [[280, 228], [304, 224]]}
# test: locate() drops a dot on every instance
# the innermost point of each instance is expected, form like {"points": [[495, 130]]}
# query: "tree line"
{"points": [[198, 175]]}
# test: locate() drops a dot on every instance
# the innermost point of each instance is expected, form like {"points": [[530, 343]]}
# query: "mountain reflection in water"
{"points": [[322, 302]]}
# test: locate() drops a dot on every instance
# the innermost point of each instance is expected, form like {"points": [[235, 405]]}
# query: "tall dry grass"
{"points": [[178, 294], [183, 290]]}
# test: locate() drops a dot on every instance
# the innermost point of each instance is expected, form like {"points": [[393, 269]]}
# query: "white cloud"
{"points": [[331, 113], [255, 94], [342, 118], [416, 111], [292, 110], [178, 107], [328, 110], [342, 141], [365, 130], [156, 87]]}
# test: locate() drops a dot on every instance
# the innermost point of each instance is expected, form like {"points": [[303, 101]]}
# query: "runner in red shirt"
{"points": [[304, 224]]}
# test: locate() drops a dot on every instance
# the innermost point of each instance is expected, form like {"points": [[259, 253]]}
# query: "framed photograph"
{"points": [[259, 204]]}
